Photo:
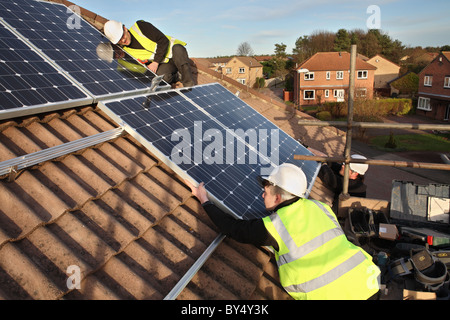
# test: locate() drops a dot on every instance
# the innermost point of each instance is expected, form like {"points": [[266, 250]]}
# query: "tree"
{"points": [[408, 84], [302, 50], [322, 41], [279, 61], [342, 42], [280, 50], [244, 49], [307, 46], [370, 44]]}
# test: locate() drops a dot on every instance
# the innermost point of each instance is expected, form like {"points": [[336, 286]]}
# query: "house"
{"points": [[217, 63], [263, 58], [244, 70], [434, 88], [386, 71], [327, 78]]}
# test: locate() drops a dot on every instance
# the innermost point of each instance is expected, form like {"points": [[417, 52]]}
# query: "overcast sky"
{"points": [[213, 28]]}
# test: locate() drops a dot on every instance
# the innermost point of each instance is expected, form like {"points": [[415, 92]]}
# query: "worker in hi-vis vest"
{"points": [[164, 55], [315, 260]]}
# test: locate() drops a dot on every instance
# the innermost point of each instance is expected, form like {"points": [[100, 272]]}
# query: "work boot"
{"points": [[186, 75]]}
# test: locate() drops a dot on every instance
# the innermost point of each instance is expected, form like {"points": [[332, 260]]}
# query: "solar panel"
{"points": [[207, 134], [75, 47], [27, 80]]}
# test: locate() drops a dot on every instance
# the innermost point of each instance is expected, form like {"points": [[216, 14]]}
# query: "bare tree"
{"points": [[244, 49]]}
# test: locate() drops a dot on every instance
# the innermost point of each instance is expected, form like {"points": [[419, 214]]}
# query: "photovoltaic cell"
{"points": [[208, 134], [27, 80], [74, 45]]}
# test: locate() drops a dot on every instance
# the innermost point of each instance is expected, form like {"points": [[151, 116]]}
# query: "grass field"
{"points": [[415, 142]]}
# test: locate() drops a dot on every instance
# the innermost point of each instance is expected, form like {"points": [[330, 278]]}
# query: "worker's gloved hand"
{"points": [[199, 192]]}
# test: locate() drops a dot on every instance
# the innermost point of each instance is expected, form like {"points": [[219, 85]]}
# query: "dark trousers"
{"points": [[178, 63]]}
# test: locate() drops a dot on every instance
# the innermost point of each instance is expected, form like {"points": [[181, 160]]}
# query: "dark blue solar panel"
{"points": [[73, 44], [26, 79], [201, 130]]}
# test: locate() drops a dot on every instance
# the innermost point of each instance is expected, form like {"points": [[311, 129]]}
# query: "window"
{"points": [[427, 81], [241, 81], [328, 75], [361, 92], [309, 76], [228, 70], [309, 95], [241, 70], [339, 94], [424, 104], [339, 75], [447, 82], [327, 93], [362, 74]]}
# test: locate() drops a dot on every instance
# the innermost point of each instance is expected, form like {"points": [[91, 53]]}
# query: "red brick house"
{"points": [[434, 88], [328, 79]]}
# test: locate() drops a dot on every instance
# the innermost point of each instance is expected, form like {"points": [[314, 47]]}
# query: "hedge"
{"points": [[369, 109]]}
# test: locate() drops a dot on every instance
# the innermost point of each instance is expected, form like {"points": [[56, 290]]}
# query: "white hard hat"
{"points": [[290, 178], [360, 168], [113, 30], [105, 51]]}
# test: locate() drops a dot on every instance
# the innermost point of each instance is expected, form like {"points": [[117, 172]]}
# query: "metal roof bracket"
{"points": [[12, 173], [11, 167]]}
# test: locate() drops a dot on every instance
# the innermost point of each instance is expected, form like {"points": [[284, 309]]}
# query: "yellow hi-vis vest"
{"points": [[150, 46], [315, 259]]}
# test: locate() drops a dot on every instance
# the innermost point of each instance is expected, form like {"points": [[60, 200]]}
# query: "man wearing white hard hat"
{"points": [[162, 54], [315, 260], [332, 174]]}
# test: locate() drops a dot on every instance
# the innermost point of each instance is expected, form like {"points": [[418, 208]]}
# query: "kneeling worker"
{"points": [[162, 54], [315, 259]]}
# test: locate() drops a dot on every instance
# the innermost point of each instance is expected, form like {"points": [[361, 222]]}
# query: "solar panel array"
{"points": [[51, 58], [26, 79], [206, 133], [66, 47]]}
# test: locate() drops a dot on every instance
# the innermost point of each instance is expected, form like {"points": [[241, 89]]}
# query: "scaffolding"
{"points": [[350, 124]]}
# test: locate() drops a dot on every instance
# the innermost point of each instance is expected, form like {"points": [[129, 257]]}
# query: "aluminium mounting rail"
{"points": [[13, 165], [184, 281]]}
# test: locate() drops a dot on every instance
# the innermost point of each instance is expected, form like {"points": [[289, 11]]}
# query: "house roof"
{"points": [[333, 61], [446, 54], [263, 58], [248, 61], [378, 56], [121, 216], [217, 60]]}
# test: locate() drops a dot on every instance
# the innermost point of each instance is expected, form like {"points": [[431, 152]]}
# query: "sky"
{"points": [[217, 28]]}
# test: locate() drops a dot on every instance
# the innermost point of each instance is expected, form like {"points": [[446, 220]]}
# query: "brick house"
{"points": [[328, 79], [434, 88], [245, 70]]}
